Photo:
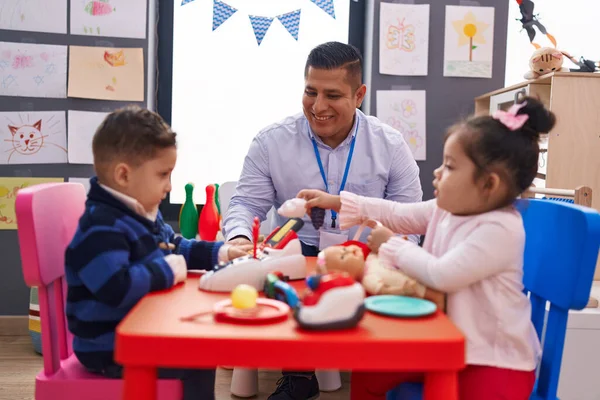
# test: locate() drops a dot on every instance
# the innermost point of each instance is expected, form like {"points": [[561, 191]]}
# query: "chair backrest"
{"points": [[47, 217], [227, 190], [561, 250]]}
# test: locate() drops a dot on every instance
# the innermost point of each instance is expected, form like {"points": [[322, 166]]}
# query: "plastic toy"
{"points": [[529, 20], [317, 216], [188, 215], [244, 297], [293, 208], [334, 301], [277, 288], [208, 223], [280, 251]]}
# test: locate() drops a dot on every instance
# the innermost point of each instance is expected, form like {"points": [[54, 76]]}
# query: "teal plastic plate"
{"points": [[399, 306]]}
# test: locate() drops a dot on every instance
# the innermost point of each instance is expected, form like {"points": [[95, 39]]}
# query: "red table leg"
{"points": [[441, 385], [139, 384]]}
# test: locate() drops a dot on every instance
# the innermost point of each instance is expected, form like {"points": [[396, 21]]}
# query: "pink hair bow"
{"points": [[510, 118]]}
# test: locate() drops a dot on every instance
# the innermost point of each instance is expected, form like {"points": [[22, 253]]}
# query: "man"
{"points": [[331, 146]]}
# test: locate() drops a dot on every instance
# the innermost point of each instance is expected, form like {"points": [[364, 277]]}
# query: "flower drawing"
{"points": [[409, 108], [413, 139], [470, 31]]}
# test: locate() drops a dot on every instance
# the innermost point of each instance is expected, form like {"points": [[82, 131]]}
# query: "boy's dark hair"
{"points": [[131, 134], [334, 55], [513, 154]]}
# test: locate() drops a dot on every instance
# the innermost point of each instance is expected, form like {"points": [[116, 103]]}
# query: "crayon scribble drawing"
{"points": [[34, 15], [33, 70], [404, 110], [403, 39], [115, 18], [106, 73], [9, 187], [33, 138], [469, 42]]}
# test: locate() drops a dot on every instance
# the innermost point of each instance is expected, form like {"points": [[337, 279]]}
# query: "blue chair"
{"points": [[561, 250]]}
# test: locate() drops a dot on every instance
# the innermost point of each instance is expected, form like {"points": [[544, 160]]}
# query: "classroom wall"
{"points": [[14, 295], [447, 98]]}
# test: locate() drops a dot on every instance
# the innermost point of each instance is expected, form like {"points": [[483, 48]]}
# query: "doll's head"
{"points": [[348, 257], [546, 60]]}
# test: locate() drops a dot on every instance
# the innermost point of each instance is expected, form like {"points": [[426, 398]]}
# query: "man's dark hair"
{"points": [[334, 55]]}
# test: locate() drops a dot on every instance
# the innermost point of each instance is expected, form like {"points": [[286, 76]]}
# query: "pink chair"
{"points": [[47, 217]]}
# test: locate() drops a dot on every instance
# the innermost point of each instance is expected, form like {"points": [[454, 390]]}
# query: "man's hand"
{"points": [[378, 236], [318, 198], [236, 251], [239, 241]]}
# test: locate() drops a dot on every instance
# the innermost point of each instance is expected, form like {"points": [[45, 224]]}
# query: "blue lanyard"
{"points": [[346, 170]]}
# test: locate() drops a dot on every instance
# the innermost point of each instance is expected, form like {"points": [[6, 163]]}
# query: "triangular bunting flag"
{"points": [[291, 22], [260, 25], [184, 2], [221, 13], [325, 5]]}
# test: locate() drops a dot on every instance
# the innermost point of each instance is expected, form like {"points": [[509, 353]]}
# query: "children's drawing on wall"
{"points": [[403, 39], [33, 70], [82, 126], [106, 73], [34, 15], [33, 138], [404, 110], [115, 18], [9, 187], [469, 42]]}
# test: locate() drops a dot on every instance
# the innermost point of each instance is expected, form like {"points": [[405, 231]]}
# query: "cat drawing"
{"points": [[28, 139]]}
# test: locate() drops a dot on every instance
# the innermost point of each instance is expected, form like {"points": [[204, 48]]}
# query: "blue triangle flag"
{"points": [[261, 26], [221, 13], [326, 5], [184, 2], [291, 22]]}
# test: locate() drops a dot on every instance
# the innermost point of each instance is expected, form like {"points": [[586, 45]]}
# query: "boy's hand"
{"points": [[178, 266], [318, 198], [236, 251], [378, 236]]}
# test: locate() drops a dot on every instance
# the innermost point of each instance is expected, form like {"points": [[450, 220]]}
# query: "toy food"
{"points": [[244, 297]]}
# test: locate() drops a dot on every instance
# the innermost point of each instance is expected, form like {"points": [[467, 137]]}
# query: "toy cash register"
{"points": [[281, 251]]}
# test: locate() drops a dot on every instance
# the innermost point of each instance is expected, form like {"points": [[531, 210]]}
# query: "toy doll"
{"points": [[356, 259]]}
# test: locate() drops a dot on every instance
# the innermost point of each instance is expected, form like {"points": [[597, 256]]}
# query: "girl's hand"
{"points": [[318, 198], [378, 236]]}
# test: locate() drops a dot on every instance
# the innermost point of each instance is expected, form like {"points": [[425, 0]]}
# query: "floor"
{"points": [[19, 364]]}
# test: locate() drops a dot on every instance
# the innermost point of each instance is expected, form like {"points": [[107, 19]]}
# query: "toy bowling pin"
{"points": [[208, 223], [188, 215]]}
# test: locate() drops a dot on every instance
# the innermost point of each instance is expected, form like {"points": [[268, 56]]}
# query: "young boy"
{"points": [[123, 249]]}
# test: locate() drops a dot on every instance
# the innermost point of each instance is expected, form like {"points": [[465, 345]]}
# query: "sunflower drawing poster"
{"points": [[469, 42], [106, 73]]}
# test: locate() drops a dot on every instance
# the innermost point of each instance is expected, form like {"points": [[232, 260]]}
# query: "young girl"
{"points": [[473, 247]]}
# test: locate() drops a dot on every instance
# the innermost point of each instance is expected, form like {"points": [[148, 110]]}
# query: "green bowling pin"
{"points": [[188, 216]]}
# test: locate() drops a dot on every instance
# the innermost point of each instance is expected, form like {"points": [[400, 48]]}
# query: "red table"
{"points": [[152, 335]]}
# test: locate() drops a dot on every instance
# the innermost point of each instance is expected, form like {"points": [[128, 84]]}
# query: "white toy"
{"points": [[293, 208], [281, 251]]}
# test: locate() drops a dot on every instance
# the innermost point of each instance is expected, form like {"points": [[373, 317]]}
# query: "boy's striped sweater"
{"points": [[114, 260]]}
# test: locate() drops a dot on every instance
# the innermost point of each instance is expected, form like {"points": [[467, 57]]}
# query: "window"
{"points": [[226, 87], [571, 23]]}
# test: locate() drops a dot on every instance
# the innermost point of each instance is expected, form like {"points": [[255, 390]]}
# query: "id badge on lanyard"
{"points": [[344, 177]]}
